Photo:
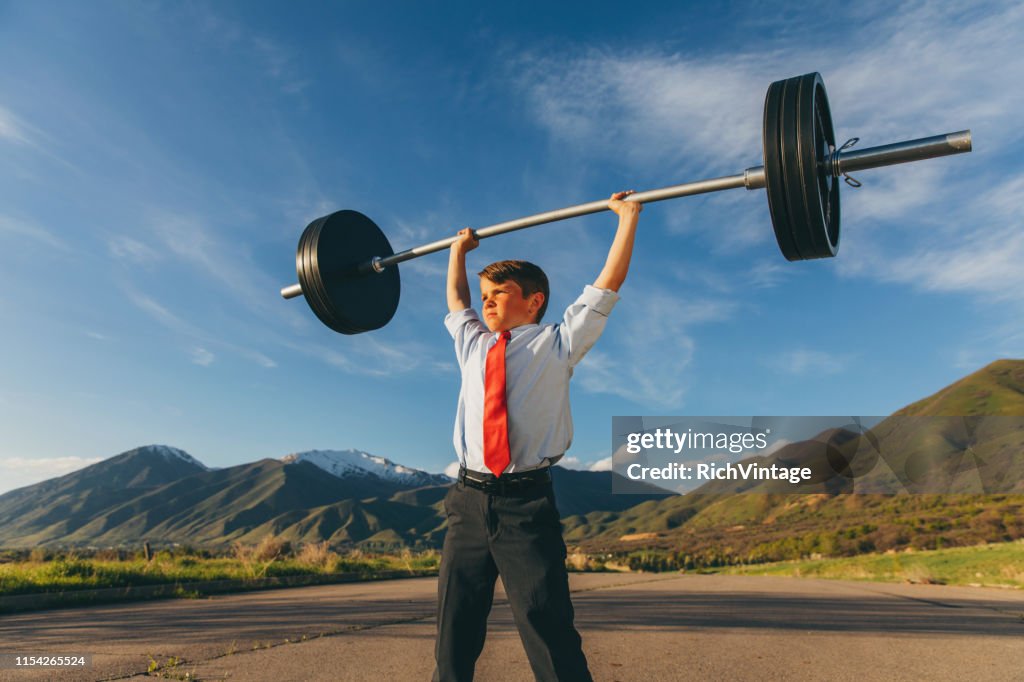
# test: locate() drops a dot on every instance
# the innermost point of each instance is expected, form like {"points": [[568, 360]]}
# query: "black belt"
{"points": [[506, 484]]}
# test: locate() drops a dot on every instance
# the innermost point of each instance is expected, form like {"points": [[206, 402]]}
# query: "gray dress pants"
{"points": [[518, 536]]}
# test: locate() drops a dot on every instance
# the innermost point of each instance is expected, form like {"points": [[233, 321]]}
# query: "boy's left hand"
{"points": [[621, 207]]}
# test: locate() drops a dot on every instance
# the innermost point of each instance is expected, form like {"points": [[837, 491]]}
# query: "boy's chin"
{"points": [[496, 325]]}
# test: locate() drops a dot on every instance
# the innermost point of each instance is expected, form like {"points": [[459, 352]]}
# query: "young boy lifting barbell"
{"points": [[512, 424]]}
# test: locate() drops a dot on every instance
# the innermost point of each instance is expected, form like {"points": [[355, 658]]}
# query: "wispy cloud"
{"points": [[202, 357], [701, 114], [131, 249], [13, 129], [216, 255], [17, 472], [27, 229], [916, 69], [274, 58], [198, 354], [804, 361], [16, 131], [980, 253], [649, 362], [367, 355]]}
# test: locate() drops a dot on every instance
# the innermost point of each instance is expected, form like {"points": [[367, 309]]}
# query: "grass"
{"points": [[995, 565], [70, 571]]}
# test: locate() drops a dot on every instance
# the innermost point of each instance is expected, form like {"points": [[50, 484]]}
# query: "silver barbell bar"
{"points": [[840, 163]]}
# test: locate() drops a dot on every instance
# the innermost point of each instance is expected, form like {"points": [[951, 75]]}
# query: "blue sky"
{"points": [[158, 162]]}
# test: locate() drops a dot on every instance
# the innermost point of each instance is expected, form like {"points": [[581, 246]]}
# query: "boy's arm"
{"points": [[617, 265], [458, 286]]}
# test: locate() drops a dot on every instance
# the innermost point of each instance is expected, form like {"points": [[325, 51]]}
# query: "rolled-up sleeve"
{"points": [[584, 321], [467, 330]]}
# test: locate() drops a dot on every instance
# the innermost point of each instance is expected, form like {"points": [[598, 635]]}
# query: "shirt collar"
{"points": [[516, 331]]}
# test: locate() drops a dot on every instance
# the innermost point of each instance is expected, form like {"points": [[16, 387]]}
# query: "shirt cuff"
{"points": [[600, 300], [454, 321]]}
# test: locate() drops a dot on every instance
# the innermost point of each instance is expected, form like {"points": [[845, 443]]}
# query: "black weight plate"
{"points": [[771, 140], [330, 316], [796, 193], [803, 196], [305, 278], [357, 302], [311, 288], [816, 148], [814, 203]]}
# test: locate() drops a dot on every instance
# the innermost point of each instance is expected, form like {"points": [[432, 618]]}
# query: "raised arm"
{"points": [[458, 286], [617, 265]]}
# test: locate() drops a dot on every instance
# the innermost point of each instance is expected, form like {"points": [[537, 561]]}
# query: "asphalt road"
{"points": [[634, 627]]}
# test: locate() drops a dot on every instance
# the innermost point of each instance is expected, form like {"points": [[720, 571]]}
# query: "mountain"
{"points": [[163, 494], [996, 389], [61, 505], [579, 492], [348, 497], [944, 443], [348, 463]]}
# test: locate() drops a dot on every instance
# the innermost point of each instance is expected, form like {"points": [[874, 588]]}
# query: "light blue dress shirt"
{"points": [[539, 361]]}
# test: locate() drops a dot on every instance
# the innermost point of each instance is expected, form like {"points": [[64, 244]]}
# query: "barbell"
{"points": [[346, 266]]}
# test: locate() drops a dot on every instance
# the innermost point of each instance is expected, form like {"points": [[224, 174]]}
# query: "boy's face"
{"points": [[504, 305]]}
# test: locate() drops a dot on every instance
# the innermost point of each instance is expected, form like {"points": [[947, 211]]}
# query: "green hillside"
{"points": [[718, 524], [997, 389]]}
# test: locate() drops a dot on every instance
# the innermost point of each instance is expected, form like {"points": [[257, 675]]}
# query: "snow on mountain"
{"points": [[171, 454], [345, 463]]}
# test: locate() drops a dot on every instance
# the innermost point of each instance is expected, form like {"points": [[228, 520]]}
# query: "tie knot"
{"points": [[506, 335]]}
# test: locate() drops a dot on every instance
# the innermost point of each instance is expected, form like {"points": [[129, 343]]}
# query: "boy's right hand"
{"points": [[466, 241]]}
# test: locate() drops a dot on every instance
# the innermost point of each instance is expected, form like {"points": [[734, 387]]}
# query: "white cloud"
{"points": [[17, 472], [32, 231], [452, 470], [199, 354], [980, 253], [915, 70], [127, 248], [652, 347], [805, 361], [275, 61], [577, 464], [223, 260], [369, 355], [766, 274], [162, 314], [202, 357], [13, 129]]}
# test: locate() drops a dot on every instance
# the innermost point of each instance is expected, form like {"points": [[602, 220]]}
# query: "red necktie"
{"points": [[496, 449]]}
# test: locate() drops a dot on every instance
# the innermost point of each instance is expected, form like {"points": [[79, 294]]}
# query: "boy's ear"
{"points": [[536, 301]]}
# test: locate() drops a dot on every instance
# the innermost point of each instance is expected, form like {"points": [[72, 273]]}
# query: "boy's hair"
{"points": [[528, 276]]}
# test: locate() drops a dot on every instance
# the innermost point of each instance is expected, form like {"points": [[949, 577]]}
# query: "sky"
{"points": [[159, 161]]}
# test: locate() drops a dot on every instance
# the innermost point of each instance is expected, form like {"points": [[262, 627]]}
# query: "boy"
{"points": [[512, 423]]}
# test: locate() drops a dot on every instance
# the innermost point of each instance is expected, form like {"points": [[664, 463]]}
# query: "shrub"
{"points": [[316, 554]]}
